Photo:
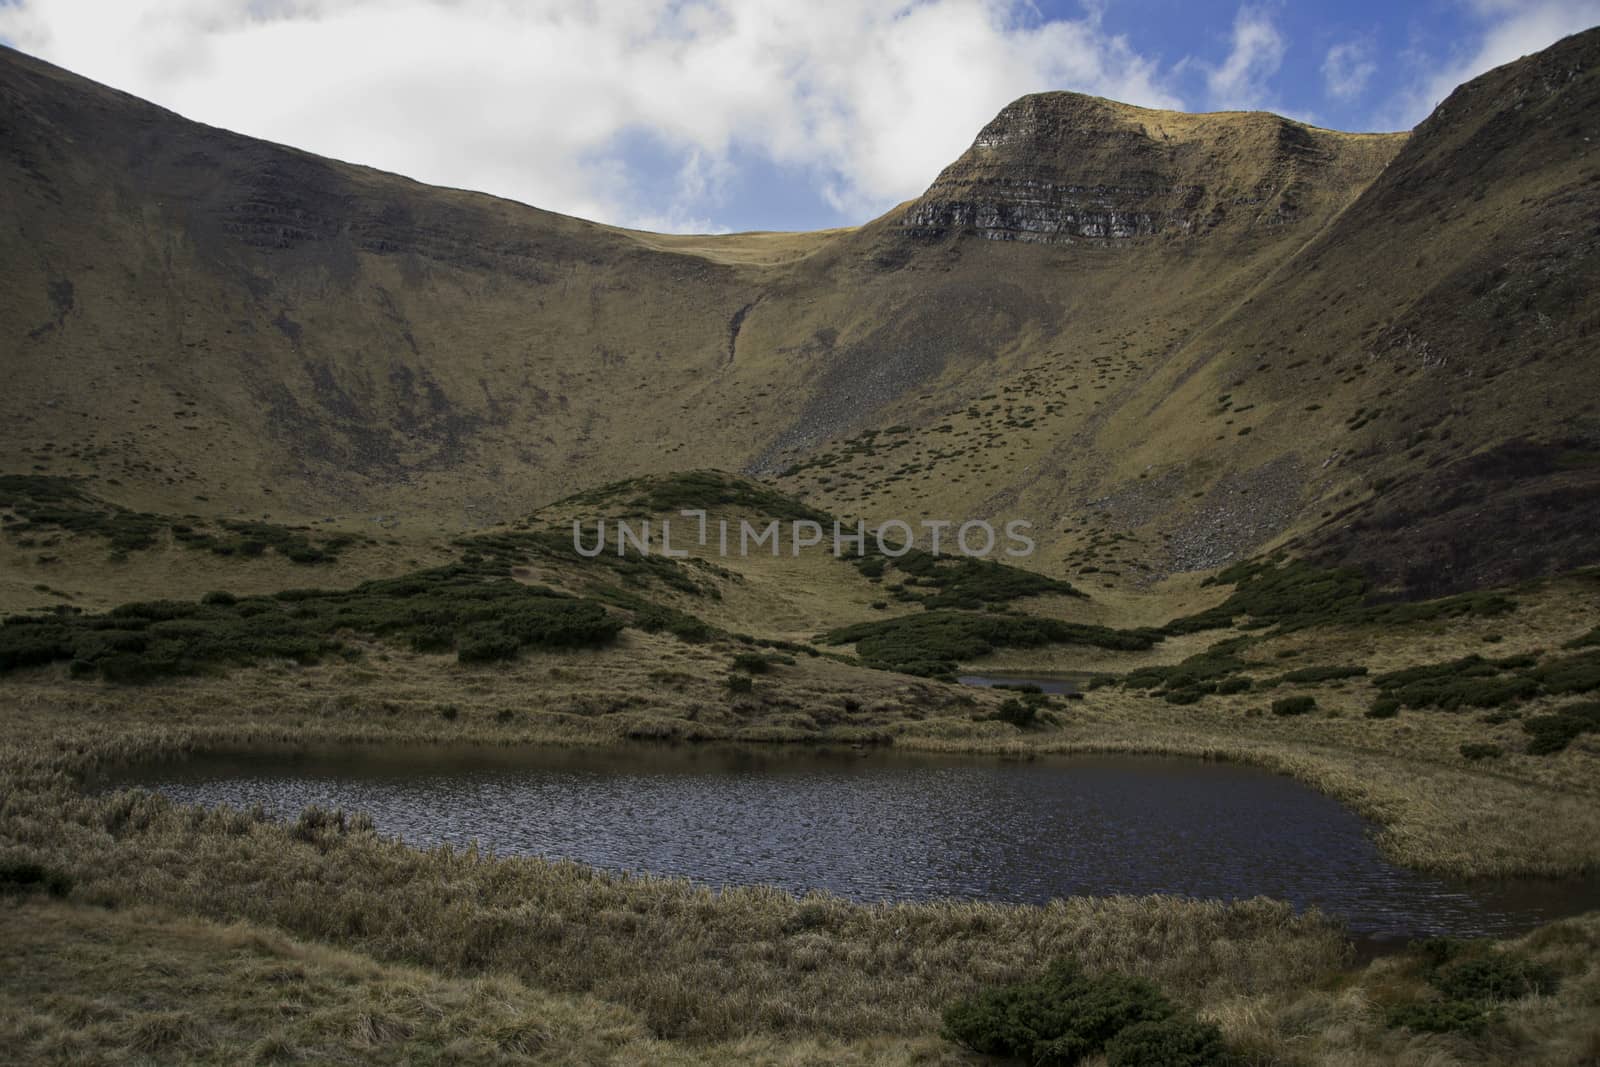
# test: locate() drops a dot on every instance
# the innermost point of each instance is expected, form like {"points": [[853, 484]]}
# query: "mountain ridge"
{"points": [[293, 336]]}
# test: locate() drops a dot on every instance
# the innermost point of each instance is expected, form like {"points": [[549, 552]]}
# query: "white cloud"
{"points": [[1254, 56], [1512, 29], [1347, 69], [534, 99]]}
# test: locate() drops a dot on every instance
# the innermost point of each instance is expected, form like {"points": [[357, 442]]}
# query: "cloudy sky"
{"points": [[709, 115]]}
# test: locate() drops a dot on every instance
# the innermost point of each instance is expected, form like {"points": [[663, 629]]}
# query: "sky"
{"points": [[718, 115]]}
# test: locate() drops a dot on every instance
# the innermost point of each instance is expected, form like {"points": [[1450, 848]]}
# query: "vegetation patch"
{"points": [[1471, 980], [1548, 734], [963, 581], [1066, 1016], [1215, 670], [40, 503], [1318, 675], [933, 644], [1475, 682], [1289, 595], [1588, 640], [506, 549], [22, 878], [482, 619], [706, 490]]}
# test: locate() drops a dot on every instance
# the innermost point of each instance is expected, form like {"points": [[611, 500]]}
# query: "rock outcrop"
{"points": [[1063, 167]]}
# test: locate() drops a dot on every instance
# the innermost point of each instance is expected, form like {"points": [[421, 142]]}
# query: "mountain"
{"points": [[1169, 340]]}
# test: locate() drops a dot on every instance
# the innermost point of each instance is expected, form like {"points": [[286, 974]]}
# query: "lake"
{"points": [[879, 825]]}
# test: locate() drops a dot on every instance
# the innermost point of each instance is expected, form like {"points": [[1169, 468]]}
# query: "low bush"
{"points": [[1167, 1043], [934, 643], [20, 879], [1066, 1015], [1289, 595], [484, 619], [751, 663], [1021, 714], [1492, 976], [656, 618], [1317, 675], [1552, 733], [971, 583], [1571, 675], [1471, 980], [1441, 1017], [1475, 751], [1294, 705], [1205, 671], [1586, 640], [1469, 682], [1384, 708]]}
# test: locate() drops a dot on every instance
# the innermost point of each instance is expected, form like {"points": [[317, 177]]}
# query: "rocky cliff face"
{"points": [[1063, 168]]}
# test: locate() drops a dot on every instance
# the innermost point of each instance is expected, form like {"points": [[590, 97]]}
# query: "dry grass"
{"points": [[88, 986]]}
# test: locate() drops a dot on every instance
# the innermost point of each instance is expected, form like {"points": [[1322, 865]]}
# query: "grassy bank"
{"points": [[249, 940]]}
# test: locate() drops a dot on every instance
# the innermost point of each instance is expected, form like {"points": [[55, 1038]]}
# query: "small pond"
{"points": [[1045, 683], [876, 825]]}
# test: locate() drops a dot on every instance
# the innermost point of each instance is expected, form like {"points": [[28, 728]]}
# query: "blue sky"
{"points": [[711, 115]]}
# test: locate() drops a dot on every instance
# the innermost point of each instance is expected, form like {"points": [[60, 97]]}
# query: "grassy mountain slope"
{"points": [[1168, 340]]}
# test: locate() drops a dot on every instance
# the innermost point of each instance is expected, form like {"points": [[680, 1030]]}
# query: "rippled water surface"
{"points": [[888, 826]]}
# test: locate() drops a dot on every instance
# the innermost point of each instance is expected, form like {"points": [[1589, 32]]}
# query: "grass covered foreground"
{"points": [[378, 952]]}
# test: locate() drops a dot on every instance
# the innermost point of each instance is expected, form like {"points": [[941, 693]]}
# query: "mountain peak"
{"points": [[1063, 167]]}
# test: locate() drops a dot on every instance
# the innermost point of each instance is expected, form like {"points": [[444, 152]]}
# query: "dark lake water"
{"points": [[879, 825], [1045, 683]]}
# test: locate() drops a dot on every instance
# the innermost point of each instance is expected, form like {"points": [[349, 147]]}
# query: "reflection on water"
{"points": [[888, 826]]}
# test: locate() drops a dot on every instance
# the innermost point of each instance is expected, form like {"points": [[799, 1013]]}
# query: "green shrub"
{"points": [[487, 648], [1294, 705], [1473, 750], [740, 683], [934, 643], [751, 663], [1058, 1018], [1441, 1017], [21, 878], [1022, 715], [1574, 674], [1315, 675], [1384, 708], [1236, 684], [436, 610], [1469, 682], [1493, 976], [1585, 641], [1552, 733], [1471, 978], [655, 618], [1167, 1043], [1289, 595], [969, 582]]}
